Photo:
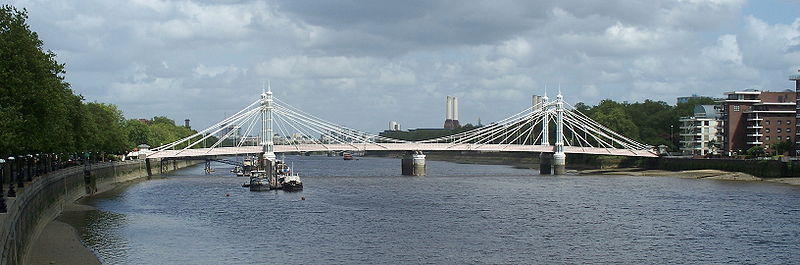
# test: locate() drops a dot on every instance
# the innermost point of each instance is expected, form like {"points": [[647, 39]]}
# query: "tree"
{"points": [[138, 133], [782, 147], [104, 130], [756, 151], [37, 107]]}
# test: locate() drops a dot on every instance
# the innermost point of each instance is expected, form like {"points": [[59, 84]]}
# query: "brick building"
{"points": [[757, 118], [796, 79]]}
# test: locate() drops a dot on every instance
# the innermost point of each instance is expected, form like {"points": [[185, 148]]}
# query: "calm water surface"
{"points": [[364, 212]]}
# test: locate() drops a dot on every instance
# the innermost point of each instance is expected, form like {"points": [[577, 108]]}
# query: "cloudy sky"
{"points": [[364, 63]]}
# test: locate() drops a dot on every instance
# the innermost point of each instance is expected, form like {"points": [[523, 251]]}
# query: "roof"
{"points": [[707, 111]]}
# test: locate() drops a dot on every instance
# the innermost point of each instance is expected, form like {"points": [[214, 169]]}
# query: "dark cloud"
{"points": [[397, 60]]}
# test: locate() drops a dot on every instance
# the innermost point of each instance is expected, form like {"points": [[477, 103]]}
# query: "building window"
{"points": [[779, 130], [766, 130], [788, 122], [779, 122], [767, 122], [788, 130], [705, 123], [735, 107], [767, 139]]}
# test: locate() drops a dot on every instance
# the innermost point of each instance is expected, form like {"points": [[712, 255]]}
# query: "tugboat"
{"points": [[259, 181]]}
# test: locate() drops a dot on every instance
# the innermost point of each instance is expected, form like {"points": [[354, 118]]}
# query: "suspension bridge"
{"points": [[297, 131]]}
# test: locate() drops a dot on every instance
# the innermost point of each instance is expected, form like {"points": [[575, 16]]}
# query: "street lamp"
{"points": [[3, 207], [20, 160], [11, 175], [671, 134], [30, 163], [2, 175]]}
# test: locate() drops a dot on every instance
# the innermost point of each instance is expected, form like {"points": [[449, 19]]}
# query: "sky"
{"points": [[363, 63]]}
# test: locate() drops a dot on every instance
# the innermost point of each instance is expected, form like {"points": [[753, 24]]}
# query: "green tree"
{"points": [[782, 147], [756, 151], [103, 125], [38, 109], [618, 121], [137, 132]]}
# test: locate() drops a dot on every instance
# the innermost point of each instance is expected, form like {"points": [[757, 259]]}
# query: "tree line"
{"points": [[40, 113], [649, 122]]}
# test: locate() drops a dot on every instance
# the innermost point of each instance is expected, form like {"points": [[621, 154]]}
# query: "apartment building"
{"points": [[757, 118], [699, 131]]}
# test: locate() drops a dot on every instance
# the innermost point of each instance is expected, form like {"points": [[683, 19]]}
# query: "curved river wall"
{"points": [[43, 199]]}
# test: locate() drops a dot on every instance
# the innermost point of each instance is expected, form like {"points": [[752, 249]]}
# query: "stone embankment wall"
{"points": [[43, 199], [758, 168]]}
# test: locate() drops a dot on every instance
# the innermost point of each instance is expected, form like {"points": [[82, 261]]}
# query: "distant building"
{"points": [[232, 130], [536, 99], [451, 113], [394, 126], [796, 79], [757, 118], [186, 123], [145, 121], [686, 99], [699, 131]]}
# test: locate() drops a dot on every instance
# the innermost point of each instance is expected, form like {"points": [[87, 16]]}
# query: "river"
{"points": [[364, 212]]}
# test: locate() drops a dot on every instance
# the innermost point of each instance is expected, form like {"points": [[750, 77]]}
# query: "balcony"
{"points": [[757, 126], [755, 143], [755, 119], [758, 134]]}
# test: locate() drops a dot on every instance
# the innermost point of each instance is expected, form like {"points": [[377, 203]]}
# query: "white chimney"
{"points": [[455, 108], [449, 109]]}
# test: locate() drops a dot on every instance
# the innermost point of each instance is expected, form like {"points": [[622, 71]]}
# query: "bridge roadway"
{"points": [[222, 151]]}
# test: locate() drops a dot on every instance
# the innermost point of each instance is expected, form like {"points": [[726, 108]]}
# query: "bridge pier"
{"points": [[559, 163], [545, 163], [147, 165], [413, 164]]}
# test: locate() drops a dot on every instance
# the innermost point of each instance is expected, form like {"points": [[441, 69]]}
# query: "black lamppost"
{"points": [[2, 174], [11, 175], [20, 178], [37, 166], [671, 134], [3, 207], [30, 163]]}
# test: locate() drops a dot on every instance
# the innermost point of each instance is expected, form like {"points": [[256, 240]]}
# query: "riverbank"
{"points": [[61, 237], [62, 241], [32, 212], [532, 162], [690, 174]]}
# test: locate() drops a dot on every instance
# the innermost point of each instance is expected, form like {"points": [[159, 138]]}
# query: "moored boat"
{"points": [[347, 156], [292, 183], [259, 181]]}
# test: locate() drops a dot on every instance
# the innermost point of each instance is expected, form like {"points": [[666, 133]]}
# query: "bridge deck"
{"points": [[221, 151]]}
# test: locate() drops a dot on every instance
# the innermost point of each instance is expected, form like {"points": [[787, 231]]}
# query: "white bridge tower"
{"points": [[266, 125]]}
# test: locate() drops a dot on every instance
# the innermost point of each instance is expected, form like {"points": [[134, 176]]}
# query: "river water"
{"points": [[364, 212]]}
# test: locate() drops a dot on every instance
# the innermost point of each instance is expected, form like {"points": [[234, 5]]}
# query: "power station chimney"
{"points": [[455, 109], [536, 100], [451, 113]]}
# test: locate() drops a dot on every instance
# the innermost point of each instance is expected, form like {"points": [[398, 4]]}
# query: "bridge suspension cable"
{"points": [[298, 131]]}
